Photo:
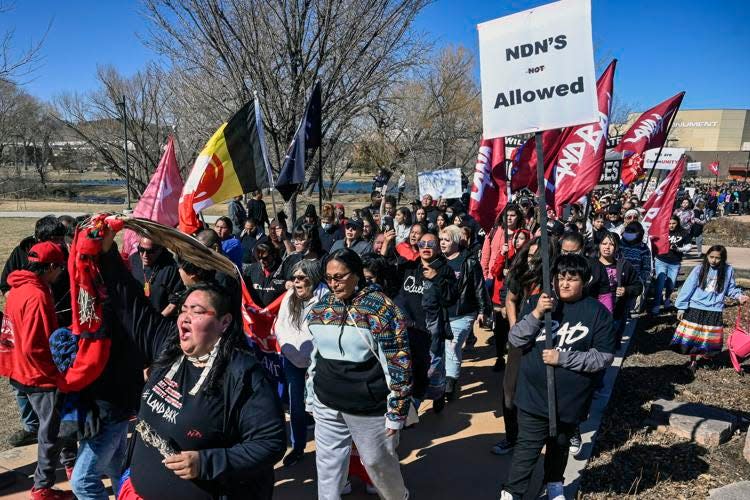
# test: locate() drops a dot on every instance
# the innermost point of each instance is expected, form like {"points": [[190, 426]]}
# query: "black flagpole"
{"points": [[546, 282], [320, 179]]}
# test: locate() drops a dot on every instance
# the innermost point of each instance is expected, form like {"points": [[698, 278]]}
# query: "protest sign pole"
{"points": [[656, 161], [320, 180], [546, 282]]}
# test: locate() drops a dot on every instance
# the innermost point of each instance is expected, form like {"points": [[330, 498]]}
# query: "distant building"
{"points": [[708, 135]]}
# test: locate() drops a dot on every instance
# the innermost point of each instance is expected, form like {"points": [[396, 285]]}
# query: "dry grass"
{"points": [[13, 231]]}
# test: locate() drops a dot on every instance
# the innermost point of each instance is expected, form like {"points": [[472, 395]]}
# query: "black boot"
{"points": [[451, 388]]}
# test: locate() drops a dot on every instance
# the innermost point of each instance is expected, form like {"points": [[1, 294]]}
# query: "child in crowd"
{"points": [[700, 304], [584, 344]]}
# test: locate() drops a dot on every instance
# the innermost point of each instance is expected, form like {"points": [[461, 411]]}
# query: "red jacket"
{"points": [[27, 325]]}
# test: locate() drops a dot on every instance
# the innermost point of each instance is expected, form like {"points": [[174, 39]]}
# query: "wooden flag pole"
{"points": [[546, 282]]}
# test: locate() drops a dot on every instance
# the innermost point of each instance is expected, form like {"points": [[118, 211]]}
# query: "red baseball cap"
{"points": [[47, 252]]}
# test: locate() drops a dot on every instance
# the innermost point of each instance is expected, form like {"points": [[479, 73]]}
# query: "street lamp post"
{"points": [[122, 107]]}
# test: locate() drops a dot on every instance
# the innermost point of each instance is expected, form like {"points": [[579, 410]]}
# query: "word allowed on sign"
{"points": [[518, 96]]}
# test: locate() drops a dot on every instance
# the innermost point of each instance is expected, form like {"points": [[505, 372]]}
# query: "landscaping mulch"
{"points": [[633, 459]]}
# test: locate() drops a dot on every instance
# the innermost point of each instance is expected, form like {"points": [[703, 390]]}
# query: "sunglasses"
{"points": [[299, 277], [427, 244], [337, 278], [147, 250]]}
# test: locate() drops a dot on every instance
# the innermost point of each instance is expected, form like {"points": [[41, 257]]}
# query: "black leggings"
{"points": [[500, 329]]}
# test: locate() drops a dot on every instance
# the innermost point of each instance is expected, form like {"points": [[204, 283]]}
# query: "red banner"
{"points": [[577, 168], [714, 168], [488, 188], [647, 132], [658, 208]]}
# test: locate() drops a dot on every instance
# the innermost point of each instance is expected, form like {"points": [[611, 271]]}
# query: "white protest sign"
{"points": [[537, 70], [694, 166], [440, 183], [667, 160]]}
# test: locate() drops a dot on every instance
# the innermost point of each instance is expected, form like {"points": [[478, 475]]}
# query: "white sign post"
{"points": [[537, 73], [537, 70], [666, 161]]}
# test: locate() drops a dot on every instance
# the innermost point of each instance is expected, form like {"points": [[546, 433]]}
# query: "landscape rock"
{"points": [[734, 491], [705, 425]]}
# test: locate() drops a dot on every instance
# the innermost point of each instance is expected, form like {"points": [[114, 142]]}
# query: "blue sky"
{"points": [[663, 47]]}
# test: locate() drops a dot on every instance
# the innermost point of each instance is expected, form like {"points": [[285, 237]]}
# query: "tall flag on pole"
{"points": [[523, 168], [577, 168], [307, 138], [231, 164], [658, 208], [647, 132], [714, 167], [488, 188], [160, 200]]}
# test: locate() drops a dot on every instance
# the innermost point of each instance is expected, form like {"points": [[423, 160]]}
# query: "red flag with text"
{"points": [[577, 168], [161, 198], [714, 168], [647, 132], [523, 169], [488, 188], [658, 208]]}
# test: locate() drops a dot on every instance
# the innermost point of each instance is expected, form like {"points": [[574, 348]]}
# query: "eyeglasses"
{"points": [[427, 244], [299, 277], [337, 278], [147, 250]]}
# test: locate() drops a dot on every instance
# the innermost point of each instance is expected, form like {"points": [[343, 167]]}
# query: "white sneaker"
{"points": [[555, 491], [347, 488], [504, 495], [371, 490]]}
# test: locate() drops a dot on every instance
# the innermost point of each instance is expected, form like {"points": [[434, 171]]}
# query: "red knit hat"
{"points": [[47, 252]]}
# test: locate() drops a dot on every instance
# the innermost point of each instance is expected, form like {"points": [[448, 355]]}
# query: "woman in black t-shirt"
{"points": [[210, 423]]}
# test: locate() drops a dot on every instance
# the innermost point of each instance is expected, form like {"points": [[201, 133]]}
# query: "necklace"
{"points": [[209, 360], [147, 282]]}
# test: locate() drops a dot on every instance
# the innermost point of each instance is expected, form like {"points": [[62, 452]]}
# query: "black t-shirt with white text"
{"points": [[186, 423], [578, 326]]}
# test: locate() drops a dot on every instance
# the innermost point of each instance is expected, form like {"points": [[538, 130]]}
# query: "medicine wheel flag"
{"points": [[488, 195], [658, 208], [714, 168], [649, 131], [577, 168], [231, 164]]}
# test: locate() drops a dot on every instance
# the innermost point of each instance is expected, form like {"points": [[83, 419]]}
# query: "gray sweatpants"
{"points": [[334, 433], [50, 449]]}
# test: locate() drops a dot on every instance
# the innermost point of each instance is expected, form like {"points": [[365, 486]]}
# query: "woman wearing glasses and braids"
{"points": [[359, 381], [210, 423]]}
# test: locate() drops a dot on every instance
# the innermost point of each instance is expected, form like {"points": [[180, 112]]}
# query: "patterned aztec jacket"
{"points": [[360, 360]]}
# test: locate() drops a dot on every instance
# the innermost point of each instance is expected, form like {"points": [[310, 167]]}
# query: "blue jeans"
{"points": [[104, 454], [295, 380], [461, 327], [666, 278], [29, 418]]}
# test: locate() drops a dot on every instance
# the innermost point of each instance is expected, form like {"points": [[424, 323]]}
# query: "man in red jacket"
{"points": [[26, 360]]}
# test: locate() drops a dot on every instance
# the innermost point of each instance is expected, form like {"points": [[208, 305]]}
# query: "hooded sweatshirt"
{"points": [[29, 320]]}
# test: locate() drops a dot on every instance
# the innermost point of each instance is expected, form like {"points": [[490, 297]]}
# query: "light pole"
{"points": [[123, 109]]}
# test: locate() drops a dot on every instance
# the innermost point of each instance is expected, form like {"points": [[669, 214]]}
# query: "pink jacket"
{"points": [[491, 250]]}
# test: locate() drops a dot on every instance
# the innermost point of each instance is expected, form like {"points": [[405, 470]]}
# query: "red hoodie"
{"points": [[27, 325]]}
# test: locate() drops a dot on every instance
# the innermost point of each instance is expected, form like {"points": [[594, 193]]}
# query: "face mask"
{"points": [[629, 237], [449, 214]]}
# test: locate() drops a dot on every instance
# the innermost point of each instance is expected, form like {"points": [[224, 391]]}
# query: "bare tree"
{"points": [[17, 63], [432, 121], [280, 48], [96, 119]]}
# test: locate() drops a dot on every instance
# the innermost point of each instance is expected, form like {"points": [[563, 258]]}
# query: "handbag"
{"points": [[739, 342]]}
